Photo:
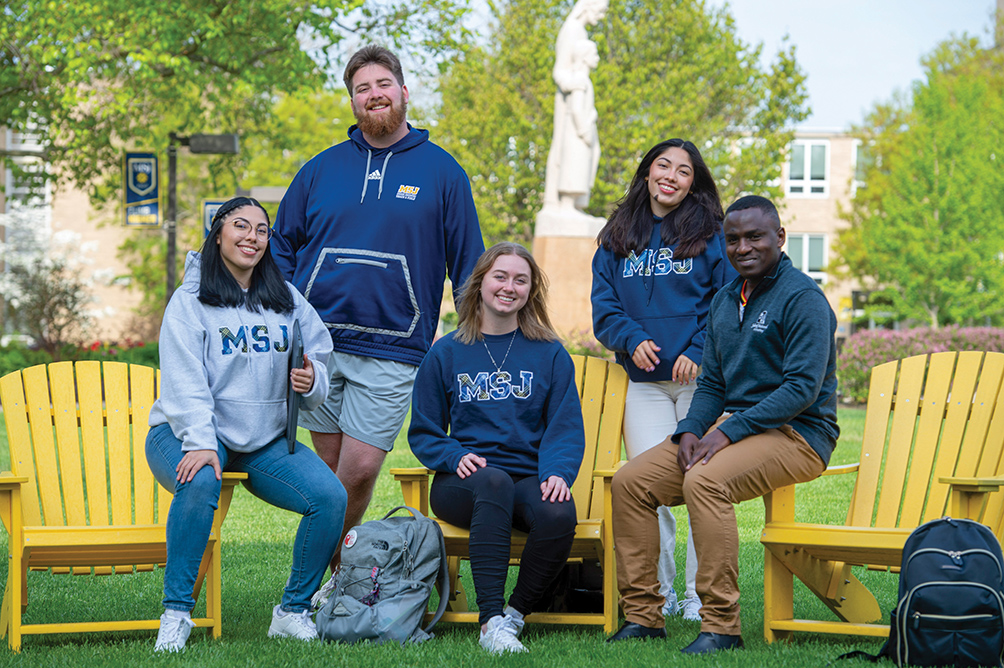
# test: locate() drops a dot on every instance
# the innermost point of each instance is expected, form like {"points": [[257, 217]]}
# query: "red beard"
{"points": [[382, 124]]}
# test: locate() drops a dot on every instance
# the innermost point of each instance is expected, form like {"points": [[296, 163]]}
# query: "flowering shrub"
{"points": [[17, 355], [128, 351], [870, 348], [582, 342]]}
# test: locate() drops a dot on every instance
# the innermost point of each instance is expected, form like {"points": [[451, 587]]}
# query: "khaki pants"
{"points": [[742, 471]]}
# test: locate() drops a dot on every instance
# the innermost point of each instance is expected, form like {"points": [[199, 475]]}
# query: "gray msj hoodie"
{"points": [[224, 370]]}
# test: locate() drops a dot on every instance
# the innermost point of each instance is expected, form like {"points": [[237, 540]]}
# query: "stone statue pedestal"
{"points": [[563, 245]]}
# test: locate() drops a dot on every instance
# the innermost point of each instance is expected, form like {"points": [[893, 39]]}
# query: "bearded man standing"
{"points": [[367, 232]]}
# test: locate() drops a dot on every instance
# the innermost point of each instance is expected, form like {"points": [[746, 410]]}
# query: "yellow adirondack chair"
{"points": [[932, 447], [66, 427], [602, 389]]}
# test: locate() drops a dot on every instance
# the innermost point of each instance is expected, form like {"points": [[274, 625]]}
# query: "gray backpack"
{"points": [[381, 590]]}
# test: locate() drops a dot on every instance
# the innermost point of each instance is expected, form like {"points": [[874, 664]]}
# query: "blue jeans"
{"points": [[300, 483]]}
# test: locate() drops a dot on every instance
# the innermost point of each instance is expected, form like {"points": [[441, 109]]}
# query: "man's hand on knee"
{"points": [[693, 450]]}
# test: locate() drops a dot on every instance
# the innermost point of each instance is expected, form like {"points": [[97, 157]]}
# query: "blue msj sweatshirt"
{"points": [[651, 295], [525, 420]]}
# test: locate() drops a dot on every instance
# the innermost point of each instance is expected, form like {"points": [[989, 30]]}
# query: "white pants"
{"points": [[651, 413]]}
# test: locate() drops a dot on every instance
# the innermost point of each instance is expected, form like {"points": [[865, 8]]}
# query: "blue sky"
{"points": [[857, 52]]}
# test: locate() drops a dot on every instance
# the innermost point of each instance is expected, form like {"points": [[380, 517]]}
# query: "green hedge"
{"points": [[867, 349], [18, 356]]}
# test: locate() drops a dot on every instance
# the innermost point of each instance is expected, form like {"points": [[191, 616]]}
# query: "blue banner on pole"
{"points": [[209, 209], [142, 194]]}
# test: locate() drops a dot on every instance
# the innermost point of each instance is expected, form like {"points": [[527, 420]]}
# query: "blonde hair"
{"points": [[532, 318]]}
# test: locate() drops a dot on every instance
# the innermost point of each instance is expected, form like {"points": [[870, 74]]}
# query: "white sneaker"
{"points": [[670, 607], [292, 625], [175, 627], [501, 633], [691, 609]]}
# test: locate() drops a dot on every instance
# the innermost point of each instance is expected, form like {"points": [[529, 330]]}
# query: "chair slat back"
{"points": [[36, 390], [78, 432], [602, 386], [141, 391], [63, 392], [22, 459], [992, 464], [928, 417], [880, 396], [92, 433]]}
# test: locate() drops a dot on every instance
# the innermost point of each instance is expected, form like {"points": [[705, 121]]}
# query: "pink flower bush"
{"points": [[870, 348]]}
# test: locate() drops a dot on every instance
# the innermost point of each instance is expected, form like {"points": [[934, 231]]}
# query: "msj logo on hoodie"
{"points": [[259, 336], [407, 192]]}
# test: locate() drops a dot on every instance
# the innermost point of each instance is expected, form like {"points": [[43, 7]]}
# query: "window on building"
{"points": [[864, 160], [26, 184], [808, 253], [809, 169]]}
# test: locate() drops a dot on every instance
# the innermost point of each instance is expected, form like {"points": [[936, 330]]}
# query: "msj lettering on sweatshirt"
{"points": [[257, 335], [486, 386], [658, 262]]}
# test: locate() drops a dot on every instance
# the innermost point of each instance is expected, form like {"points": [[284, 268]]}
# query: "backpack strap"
{"points": [[444, 573], [444, 580]]}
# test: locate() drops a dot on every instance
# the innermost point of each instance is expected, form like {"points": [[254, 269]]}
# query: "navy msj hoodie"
{"points": [[525, 419], [367, 235], [651, 295]]}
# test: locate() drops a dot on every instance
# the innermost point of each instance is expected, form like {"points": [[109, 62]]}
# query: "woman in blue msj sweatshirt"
{"points": [[661, 258], [496, 414]]}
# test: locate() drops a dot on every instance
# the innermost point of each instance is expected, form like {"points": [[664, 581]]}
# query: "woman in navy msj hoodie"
{"points": [[496, 414], [661, 258]]}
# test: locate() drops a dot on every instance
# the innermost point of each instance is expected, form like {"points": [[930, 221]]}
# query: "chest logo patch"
{"points": [[407, 192], [761, 323]]}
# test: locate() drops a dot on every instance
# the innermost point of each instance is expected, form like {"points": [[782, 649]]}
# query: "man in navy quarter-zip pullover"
{"points": [[367, 232], [763, 416]]}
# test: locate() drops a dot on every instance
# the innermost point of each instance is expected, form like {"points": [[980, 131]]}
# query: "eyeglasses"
{"points": [[264, 232]]}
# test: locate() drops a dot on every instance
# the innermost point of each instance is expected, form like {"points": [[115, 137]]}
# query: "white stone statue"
{"points": [[575, 148]]}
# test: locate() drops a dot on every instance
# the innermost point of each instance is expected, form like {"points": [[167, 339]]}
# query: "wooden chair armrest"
{"points": [[604, 473], [9, 481], [414, 487], [842, 469], [233, 477], [10, 499], [974, 484], [968, 496], [408, 473]]}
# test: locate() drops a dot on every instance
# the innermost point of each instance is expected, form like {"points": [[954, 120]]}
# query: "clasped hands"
{"points": [[693, 449], [554, 487]]}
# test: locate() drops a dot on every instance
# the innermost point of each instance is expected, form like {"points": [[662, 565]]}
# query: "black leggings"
{"points": [[491, 503]]}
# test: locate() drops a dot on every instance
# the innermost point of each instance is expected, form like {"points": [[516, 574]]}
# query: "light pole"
{"points": [[204, 144]]}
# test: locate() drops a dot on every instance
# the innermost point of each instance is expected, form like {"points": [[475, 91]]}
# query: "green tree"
{"points": [[93, 77], [927, 230], [42, 284], [299, 126], [680, 73]]}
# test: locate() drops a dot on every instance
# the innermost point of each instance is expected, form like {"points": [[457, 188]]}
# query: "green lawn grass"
{"points": [[256, 556]]}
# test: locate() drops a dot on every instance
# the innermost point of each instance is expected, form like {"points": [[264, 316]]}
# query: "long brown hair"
{"points": [[697, 219], [532, 318]]}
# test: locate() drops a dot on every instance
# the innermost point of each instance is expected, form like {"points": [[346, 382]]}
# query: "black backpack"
{"points": [[951, 597]]}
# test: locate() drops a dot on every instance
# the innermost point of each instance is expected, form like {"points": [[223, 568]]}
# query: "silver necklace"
{"points": [[498, 367]]}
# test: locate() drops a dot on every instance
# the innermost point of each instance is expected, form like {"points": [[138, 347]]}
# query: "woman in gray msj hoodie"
{"points": [[224, 354]]}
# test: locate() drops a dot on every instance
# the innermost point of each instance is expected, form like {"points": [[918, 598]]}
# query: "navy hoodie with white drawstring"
{"points": [[652, 295], [367, 235]]}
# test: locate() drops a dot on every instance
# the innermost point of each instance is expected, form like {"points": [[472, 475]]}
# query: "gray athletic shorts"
{"points": [[368, 399]]}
